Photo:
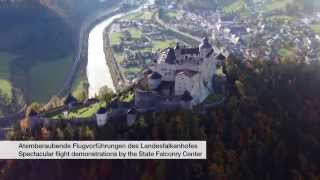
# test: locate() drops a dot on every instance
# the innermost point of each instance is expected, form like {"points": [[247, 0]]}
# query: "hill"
{"points": [[267, 129], [38, 37]]}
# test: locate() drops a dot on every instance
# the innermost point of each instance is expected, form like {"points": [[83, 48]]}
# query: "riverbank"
{"points": [[119, 81], [102, 68], [80, 61]]}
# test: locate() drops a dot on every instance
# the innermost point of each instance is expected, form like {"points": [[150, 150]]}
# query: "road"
{"points": [[175, 29]]}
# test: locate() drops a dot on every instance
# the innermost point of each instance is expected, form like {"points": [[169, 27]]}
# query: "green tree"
{"points": [[105, 94]]}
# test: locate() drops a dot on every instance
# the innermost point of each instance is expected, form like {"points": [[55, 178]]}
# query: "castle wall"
{"points": [[167, 71], [145, 99], [183, 83]]}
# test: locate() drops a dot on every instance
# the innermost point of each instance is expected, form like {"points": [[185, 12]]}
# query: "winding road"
{"points": [[197, 39]]}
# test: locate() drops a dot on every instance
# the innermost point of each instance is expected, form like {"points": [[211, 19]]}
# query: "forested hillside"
{"points": [[38, 37], [268, 129], [44, 26]]}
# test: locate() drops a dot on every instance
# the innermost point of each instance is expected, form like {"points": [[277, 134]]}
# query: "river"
{"points": [[98, 72]]}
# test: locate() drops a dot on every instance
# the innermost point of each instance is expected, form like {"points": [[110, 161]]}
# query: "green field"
{"points": [[286, 52], [316, 28], [85, 112], [282, 18], [235, 7], [172, 14], [47, 77], [5, 84], [163, 44], [119, 57], [145, 15], [133, 70], [276, 5], [135, 33], [115, 38]]}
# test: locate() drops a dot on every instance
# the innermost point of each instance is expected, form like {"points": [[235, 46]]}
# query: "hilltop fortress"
{"points": [[180, 77]]}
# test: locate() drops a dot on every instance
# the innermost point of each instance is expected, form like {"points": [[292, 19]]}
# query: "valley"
{"points": [[49, 41], [242, 76]]}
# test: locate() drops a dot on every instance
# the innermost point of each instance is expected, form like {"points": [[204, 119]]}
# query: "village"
{"points": [[136, 40], [281, 36]]}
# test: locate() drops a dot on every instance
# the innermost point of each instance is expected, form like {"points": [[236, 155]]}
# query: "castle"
{"points": [[180, 74], [180, 79]]}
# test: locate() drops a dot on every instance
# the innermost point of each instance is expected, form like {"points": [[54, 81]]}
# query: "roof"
{"points": [[70, 99], [32, 113], [171, 57], [166, 85], [210, 53], [132, 111], [220, 56], [177, 46], [227, 18], [114, 104], [147, 71], [186, 96], [238, 30], [205, 44], [190, 51], [187, 72], [102, 110], [154, 75]]}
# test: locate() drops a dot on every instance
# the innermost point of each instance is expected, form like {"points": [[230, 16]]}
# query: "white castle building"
{"points": [[189, 70]]}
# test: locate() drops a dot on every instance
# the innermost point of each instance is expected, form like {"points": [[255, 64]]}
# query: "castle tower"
{"points": [[33, 119], [154, 80], [70, 101], [131, 117], [186, 100], [205, 47], [177, 50], [101, 117]]}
